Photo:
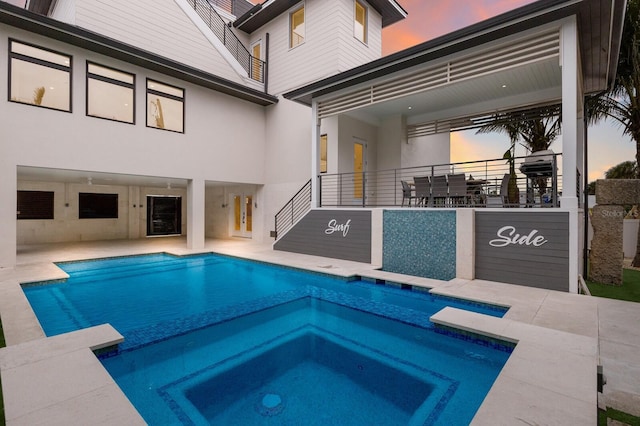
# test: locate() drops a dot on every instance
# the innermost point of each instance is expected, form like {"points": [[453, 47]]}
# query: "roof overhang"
{"points": [[390, 10], [599, 25], [41, 7], [24, 19]]}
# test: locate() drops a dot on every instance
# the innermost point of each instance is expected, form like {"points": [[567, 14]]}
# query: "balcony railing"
{"points": [[255, 67], [538, 184]]}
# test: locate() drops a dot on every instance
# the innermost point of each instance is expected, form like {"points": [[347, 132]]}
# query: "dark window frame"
{"points": [[36, 61], [115, 82], [101, 205], [149, 91], [27, 205]]}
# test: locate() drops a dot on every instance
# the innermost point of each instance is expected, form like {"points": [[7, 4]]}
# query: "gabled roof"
{"points": [[390, 10], [600, 25], [42, 25]]}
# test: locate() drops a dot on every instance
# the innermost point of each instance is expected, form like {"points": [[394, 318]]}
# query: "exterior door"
{"points": [[164, 215], [358, 169], [242, 219]]}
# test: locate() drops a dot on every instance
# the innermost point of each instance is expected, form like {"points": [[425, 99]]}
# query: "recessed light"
{"points": [[410, 108], [504, 85]]}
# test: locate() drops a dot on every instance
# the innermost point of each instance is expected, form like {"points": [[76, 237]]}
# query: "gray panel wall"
{"points": [[312, 235], [538, 259]]}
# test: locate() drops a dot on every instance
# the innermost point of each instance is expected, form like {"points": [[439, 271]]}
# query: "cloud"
{"points": [[428, 20]]}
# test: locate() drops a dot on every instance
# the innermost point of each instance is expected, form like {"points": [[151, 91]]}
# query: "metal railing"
{"points": [[483, 181], [293, 211], [255, 67]]}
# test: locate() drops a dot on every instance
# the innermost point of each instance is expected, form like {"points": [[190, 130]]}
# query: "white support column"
{"points": [[315, 154], [195, 214], [8, 224], [571, 138], [465, 244], [570, 85]]}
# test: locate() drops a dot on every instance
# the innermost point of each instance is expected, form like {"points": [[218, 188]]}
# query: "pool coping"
{"points": [[564, 385]]}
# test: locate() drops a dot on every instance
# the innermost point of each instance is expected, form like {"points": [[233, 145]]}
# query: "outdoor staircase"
{"points": [[294, 210], [206, 9]]}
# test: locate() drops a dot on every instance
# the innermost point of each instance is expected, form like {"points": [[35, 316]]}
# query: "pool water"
{"points": [[215, 340]]}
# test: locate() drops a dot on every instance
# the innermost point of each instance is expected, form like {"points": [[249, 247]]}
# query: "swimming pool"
{"points": [[213, 339]]}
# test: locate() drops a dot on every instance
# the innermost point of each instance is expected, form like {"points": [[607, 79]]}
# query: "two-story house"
{"points": [[126, 120]]}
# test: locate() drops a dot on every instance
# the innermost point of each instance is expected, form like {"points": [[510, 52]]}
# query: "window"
{"points": [[296, 24], [39, 76], [110, 93], [323, 153], [360, 28], [257, 69], [97, 206], [165, 107], [35, 205]]}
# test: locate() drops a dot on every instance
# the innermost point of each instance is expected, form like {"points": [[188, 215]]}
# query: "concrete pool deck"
{"points": [[549, 379]]}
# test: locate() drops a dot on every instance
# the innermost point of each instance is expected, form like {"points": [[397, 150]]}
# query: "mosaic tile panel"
{"points": [[420, 243]]}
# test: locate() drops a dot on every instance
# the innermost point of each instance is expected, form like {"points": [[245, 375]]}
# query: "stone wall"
{"points": [[606, 257]]}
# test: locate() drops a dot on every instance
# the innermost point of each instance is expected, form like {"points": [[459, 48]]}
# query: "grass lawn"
{"points": [[629, 290], [612, 414], [2, 345]]}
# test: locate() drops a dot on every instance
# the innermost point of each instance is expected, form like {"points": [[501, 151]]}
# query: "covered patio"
{"points": [[381, 132]]}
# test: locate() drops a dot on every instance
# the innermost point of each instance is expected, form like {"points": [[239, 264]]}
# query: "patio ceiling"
{"points": [[508, 62], [43, 174], [524, 86]]}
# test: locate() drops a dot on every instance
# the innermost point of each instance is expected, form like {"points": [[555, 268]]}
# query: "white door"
{"points": [[241, 215]]}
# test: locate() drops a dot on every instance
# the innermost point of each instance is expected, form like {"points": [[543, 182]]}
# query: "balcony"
{"points": [[536, 182]]}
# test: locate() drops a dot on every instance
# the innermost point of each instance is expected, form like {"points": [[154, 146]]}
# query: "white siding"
{"points": [[65, 11], [353, 52], [160, 27], [223, 142], [329, 46]]}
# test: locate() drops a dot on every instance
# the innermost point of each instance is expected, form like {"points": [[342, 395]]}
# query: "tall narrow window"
{"points": [[296, 36], [165, 106], [257, 70], [360, 26], [39, 76], [323, 153], [110, 93]]}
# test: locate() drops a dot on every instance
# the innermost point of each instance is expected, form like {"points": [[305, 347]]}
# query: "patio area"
{"points": [[549, 379]]}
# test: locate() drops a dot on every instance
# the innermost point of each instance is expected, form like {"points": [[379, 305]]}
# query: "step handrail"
{"points": [[294, 209]]}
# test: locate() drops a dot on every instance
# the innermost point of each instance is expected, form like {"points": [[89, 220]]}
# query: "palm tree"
{"points": [[535, 129], [622, 103], [624, 170]]}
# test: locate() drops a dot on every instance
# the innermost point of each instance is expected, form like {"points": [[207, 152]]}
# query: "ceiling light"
{"points": [[504, 86]]}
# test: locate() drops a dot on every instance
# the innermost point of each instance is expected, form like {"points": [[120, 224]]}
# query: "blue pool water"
{"points": [[215, 340]]}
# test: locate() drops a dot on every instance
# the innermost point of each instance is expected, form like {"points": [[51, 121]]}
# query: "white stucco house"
{"points": [[129, 120]]}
